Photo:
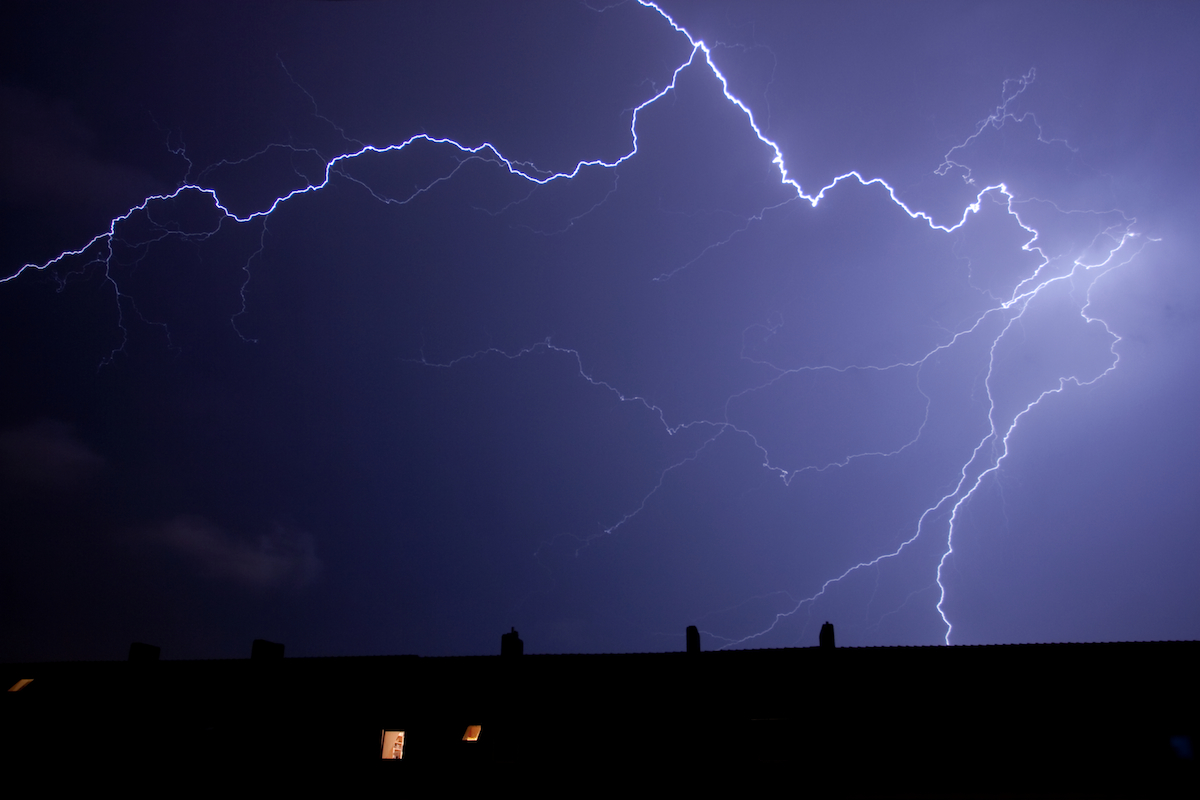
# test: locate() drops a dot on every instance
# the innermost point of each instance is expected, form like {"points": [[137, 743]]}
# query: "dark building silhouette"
{"points": [[1075, 720], [693, 639]]}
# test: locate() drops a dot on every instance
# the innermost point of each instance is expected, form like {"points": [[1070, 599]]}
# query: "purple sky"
{"points": [[441, 395]]}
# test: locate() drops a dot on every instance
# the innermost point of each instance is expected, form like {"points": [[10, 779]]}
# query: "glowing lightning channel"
{"points": [[984, 460], [999, 439], [488, 151]]}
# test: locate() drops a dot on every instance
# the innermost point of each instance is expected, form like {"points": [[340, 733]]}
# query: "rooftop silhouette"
{"points": [[1046, 719]]}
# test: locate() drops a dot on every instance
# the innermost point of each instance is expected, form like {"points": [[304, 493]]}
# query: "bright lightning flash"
{"points": [[1116, 245]]}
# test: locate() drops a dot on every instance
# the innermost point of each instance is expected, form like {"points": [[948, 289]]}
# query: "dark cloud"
{"points": [[47, 455], [283, 558], [47, 159]]}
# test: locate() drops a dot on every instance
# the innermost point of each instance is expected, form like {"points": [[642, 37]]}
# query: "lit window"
{"points": [[21, 684], [472, 734], [392, 745]]}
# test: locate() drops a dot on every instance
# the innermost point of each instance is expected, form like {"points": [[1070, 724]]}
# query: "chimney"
{"points": [[140, 652], [262, 650], [693, 639], [827, 635], [511, 644]]}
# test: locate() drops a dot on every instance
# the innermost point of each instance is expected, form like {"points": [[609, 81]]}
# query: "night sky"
{"points": [[449, 390]]}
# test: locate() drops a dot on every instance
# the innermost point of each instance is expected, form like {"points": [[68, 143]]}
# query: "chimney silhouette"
{"points": [[511, 644], [262, 650], [141, 652], [827, 635], [693, 639]]}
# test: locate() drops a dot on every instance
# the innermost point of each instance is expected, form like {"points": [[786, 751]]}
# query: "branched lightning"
{"points": [[1115, 246]]}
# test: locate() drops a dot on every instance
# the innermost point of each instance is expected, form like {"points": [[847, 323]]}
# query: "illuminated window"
{"points": [[472, 734], [21, 684], [392, 746]]}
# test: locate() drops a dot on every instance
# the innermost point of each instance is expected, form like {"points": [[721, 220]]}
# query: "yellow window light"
{"points": [[392, 746], [21, 684], [472, 734]]}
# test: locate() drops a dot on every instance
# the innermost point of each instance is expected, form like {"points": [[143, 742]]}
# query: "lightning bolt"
{"points": [[1117, 244]]}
